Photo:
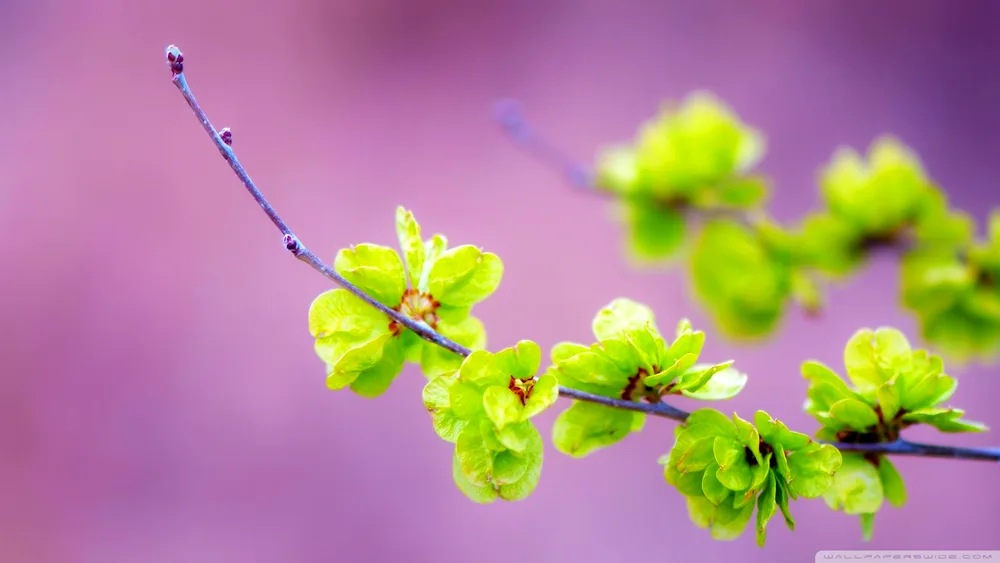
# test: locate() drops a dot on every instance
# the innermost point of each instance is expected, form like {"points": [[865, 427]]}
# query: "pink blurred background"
{"points": [[160, 400]]}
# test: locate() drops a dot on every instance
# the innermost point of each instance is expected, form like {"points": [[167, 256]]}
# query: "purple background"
{"points": [[160, 400]]}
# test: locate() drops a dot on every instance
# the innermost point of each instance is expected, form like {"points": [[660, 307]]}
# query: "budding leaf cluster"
{"points": [[957, 298], [726, 467], [697, 155], [432, 284], [696, 159], [631, 361], [892, 387], [485, 409]]}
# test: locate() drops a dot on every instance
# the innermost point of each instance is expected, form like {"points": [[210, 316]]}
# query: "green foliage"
{"points": [[955, 298], [365, 350], [694, 160], [743, 276], [485, 409], [696, 155], [725, 467], [892, 387], [631, 361]]}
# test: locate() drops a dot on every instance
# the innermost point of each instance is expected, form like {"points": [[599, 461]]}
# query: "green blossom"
{"points": [[957, 299], [631, 361], [886, 200], [431, 283], [696, 155], [726, 466], [892, 387], [485, 409], [745, 276]]}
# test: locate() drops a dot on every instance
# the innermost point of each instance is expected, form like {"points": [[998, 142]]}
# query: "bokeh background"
{"points": [[160, 400]]}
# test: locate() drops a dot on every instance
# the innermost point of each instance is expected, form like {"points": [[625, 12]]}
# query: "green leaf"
{"points": [[543, 395], [435, 394], [888, 399], [520, 361], [475, 459], [749, 437], [359, 360], [743, 283], [340, 321], [781, 498], [376, 269], [892, 482], [945, 420], [434, 247], [502, 406], [376, 380], [696, 456], [576, 363], [728, 522], [766, 508], [532, 455], [743, 192], [621, 317], [508, 468], [734, 471], [616, 170], [408, 233], [854, 414], [655, 232], [465, 275], [586, 427], [688, 483], [711, 487], [466, 400], [517, 437], [860, 361], [813, 469], [700, 510], [856, 488], [774, 432], [480, 368], [672, 371], [725, 384], [484, 494], [867, 526]]}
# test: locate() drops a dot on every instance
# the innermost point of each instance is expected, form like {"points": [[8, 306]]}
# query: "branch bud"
{"points": [[175, 60]]}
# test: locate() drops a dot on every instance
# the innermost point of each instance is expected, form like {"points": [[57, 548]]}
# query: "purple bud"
{"points": [[227, 136], [175, 59], [292, 244]]}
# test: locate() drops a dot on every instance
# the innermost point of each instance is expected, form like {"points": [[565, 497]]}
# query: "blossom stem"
{"points": [[175, 60]]}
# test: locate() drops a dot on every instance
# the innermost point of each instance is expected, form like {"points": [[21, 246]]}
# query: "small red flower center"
{"points": [[522, 388], [418, 306]]}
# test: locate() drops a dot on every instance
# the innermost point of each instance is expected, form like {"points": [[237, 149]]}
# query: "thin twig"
{"points": [[175, 60], [903, 447]]}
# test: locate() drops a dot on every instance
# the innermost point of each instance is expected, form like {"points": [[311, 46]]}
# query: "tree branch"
{"points": [[223, 141]]}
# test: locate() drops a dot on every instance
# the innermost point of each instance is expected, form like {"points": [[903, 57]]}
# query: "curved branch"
{"points": [[223, 141]]}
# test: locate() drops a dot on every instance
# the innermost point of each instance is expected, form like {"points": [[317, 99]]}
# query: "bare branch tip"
{"points": [[227, 136], [508, 113], [175, 60]]}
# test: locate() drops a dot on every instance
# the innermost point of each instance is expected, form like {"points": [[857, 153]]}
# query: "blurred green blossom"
{"points": [[631, 361], [887, 200], [957, 298], [485, 409], [726, 466], [892, 387], [698, 156], [433, 284], [745, 275]]}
